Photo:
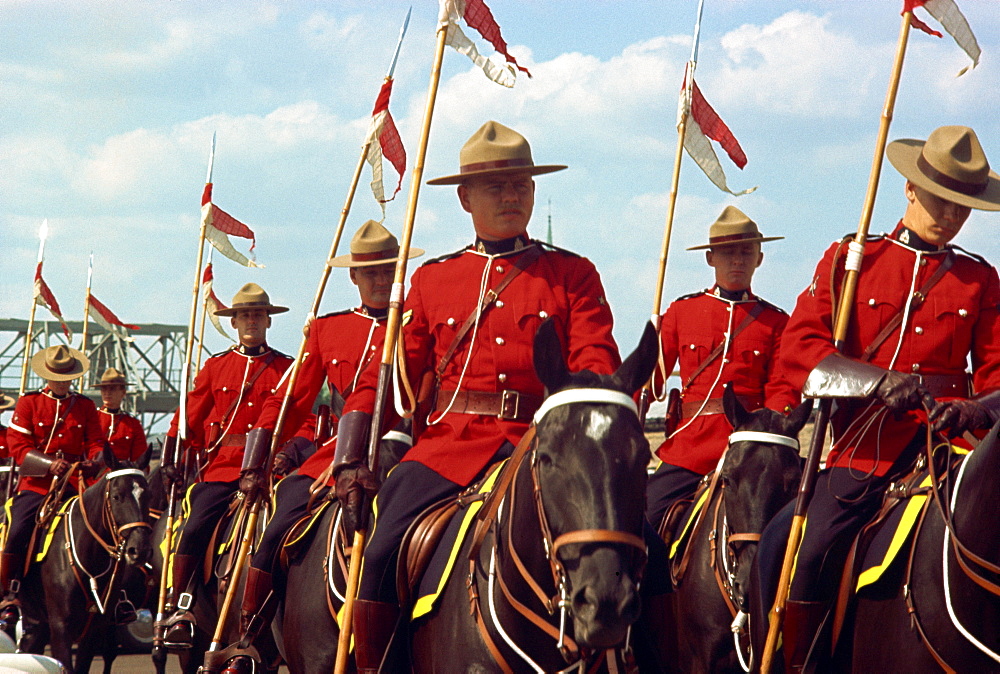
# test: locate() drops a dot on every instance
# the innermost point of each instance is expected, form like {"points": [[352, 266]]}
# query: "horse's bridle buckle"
{"points": [[510, 403]]}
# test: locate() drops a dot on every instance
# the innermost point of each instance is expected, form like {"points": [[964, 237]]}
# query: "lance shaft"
{"points": [[28, 338], [86, 307], [842, 319], [159, 653], [393, 322]]}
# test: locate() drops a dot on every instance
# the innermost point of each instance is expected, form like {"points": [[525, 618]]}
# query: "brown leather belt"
{"points": [[947, 385], [233, 440], [714, 406], [507, 405]]}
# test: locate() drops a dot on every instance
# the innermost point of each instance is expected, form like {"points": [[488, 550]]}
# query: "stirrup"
{"points": [[10, 615], [125, 612], [178, 629], [232, 660]]}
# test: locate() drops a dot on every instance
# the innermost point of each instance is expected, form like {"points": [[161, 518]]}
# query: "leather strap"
{"points": [[755, 311], [525, 260], [714, 406], [915, 301], [508, 405]]}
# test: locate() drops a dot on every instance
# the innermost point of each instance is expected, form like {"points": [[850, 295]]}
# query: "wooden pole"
{"points": [[842, 320], [393, 322], [43, 233], [86, 306]]}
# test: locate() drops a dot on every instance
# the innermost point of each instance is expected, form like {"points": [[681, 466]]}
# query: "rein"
{"points": [[505, 490]]}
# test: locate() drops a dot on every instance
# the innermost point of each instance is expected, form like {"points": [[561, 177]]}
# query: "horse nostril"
{"points": [[585, 602]]}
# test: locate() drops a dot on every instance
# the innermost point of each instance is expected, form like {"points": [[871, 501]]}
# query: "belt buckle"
{"points": [[510, 403]]}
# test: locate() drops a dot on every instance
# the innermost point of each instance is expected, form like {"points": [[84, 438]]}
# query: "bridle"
{"points": [[505, 490]]}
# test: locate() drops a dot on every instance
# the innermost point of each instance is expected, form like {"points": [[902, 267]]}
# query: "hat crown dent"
{"points": [[956, 152], [495, 142], [373, 237], [59, 359], [111, 377], [250, 294]]}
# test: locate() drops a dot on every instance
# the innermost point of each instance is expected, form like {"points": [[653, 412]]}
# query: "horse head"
{"points": [[589, 468], [759, 476], [122, 496]]}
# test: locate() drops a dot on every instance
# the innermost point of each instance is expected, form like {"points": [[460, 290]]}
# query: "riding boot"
{"points": [[258, 587], [11, 569], [179, 627], [802, 622], [374, 625]]}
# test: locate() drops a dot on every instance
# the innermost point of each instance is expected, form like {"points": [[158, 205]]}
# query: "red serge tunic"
{"points": [[443, 293], [692, 327], [44, 423], [221, 387], [338, 348], [124, 433], [959, 318]]}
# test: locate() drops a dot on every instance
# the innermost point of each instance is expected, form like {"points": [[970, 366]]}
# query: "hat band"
{"points": [[498, 164], [970, 189], [250, 305], [729, 238], [377, 255]]}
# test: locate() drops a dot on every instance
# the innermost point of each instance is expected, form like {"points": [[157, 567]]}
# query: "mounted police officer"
{"points": [[123, 431], [51, 431], [723, 334], [223, 406], [338, 348], [924, 307], [486, 386]]}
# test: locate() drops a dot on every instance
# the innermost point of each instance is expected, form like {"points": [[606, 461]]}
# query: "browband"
{"points": [[761, 436], [585, 395], [124, 471]]}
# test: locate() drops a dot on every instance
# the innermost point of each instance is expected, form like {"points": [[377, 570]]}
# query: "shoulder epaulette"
{"points": [[555, 249], [870, 237], [337, 313], [30, 393], [222, 353], [690, 296], [975, 256], [772, 306], [449, 256]]}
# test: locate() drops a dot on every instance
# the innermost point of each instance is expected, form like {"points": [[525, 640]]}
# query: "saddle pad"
{"points": [[301, 529], [51, 532], [681, 541], [443, 561]]}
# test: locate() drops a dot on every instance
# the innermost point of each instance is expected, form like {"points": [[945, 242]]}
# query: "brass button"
{"points": [[500, 304], [543, 314], [919, 330], [333, 362], [502, 377], [871, 302], [963, 313], [249, 404], [500, 341], [499, 269], [450, 321], [916, 367]]}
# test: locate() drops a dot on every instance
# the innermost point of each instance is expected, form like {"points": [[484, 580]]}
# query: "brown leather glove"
{"points": [[901, 393], [58, 467], [954, 417], [282, 464], [353, 482], [252, 483]]}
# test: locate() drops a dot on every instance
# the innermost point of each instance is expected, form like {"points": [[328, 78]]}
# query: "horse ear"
{"points": [[734, 409], [550, 365], [109, 458], [799, 416], [637, 368], [143, 462]]}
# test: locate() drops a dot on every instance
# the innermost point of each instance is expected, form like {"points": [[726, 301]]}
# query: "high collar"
{"points": [[377, 314], [732, 295], [47, 391], [503, 246], [116, 410], [909, 238], [253, 351]]}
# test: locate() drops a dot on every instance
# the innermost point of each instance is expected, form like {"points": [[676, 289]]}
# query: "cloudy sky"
{"points": [[109, 110]]}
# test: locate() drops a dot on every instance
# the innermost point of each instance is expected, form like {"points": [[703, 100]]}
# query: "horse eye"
{"points": [[116, 497]]}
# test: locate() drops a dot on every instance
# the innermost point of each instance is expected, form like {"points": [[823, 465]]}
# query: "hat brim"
{"points": [[460, 178], [80, 366], [7, 402], [346, 261], [269, 308], [756, 239], [903, 155]]}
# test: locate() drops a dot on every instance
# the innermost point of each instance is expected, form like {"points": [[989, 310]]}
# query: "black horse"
{"points": [[943, 595], [556, 580], [305, 629], [759, 475], [77, 589]]}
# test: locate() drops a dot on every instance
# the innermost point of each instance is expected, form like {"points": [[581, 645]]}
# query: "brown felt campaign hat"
{"points": [[733, 226], [371, 245], [950, 164], [6, 402], [59, 363], [251, 296], [111, 377], [495, 149]]}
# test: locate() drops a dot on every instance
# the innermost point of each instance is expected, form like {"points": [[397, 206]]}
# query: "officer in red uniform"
{"points": [[6, 403], [123, 431], [226, 401], [51, 430], [898, 353], [338, 348], [487, 388], [720, 335]]}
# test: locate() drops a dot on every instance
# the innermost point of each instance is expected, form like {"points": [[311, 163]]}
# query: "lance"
{"points": [[159, 654], [684, 113], [204, 312], [393, 322], [842, 320], [43, 233], [86, 305]]}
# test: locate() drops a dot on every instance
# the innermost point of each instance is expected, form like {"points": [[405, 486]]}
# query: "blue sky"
{"points": [[109, 110]]}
